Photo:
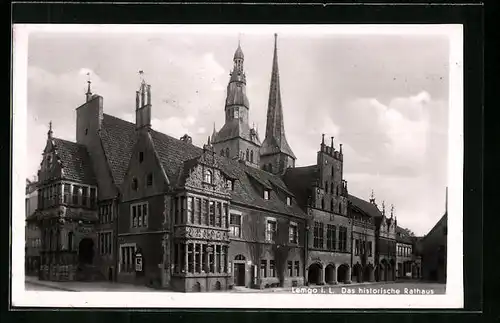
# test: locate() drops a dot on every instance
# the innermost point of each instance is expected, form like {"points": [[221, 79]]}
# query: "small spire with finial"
{"points": [[392, 211], [88, 95], [331, 142], [341, 149], [49, 133], [323, 139], [383, 208]]}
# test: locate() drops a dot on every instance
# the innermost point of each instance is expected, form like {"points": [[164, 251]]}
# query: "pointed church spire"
{"points": [[275, 141]]}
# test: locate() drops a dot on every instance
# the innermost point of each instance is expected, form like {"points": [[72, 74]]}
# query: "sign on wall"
{"points": [[138, 262]]}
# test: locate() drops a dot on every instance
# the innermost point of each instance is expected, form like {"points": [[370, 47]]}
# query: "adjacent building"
{"points": [[128, 203], [31, 232], [409, 264]]}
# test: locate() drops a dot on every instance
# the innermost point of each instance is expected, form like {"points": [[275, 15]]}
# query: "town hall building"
{"points": [[130, 204]]}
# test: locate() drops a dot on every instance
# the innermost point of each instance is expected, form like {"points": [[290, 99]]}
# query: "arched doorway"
{"points": [[357, 272], [342, 273], [330, 274], [314, 274], [197, 287], [239, 270], [86, 251], [217, 285], [368, 273]]}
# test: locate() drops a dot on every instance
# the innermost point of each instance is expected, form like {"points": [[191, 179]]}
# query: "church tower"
{"points": [[275, 154], [236, 140]]}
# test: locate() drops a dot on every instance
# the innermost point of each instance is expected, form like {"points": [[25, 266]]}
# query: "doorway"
{"points": [[86, 251], [239, 274]]}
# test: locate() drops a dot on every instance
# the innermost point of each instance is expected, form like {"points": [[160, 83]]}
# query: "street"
{"points": [[380, 288]]}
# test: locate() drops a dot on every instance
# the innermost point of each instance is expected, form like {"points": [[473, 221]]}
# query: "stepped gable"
{"points": [[75, 161], [364, 207]]}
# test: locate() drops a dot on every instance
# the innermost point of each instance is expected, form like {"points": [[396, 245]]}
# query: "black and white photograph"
{"points": [[226, 166]]}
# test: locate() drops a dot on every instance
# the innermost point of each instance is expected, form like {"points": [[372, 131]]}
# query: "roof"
{"points": [[176, 156], [236, 129], [118, 138], [75, 161], [364, 206], [300, 180], [238, 54]]}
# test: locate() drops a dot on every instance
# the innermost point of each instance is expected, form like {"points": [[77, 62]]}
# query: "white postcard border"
{"points": [[454, 288]]}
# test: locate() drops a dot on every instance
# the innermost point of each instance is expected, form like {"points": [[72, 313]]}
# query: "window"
{"points": [[342, 238], [288, 200], [270, 167], [266, 194], [86, 131], [127, 257], [66, 193], [337, 191], [332, 171], [290, 268], [293, 233], [190, 251], [85, 196], [230, 184], [270, 230], [207, 177], [139, 212], [356, 247], [190, 213], [235, 225], [105, 243], [326, 187], [227, 152], [204, 212], [251, 156], [105, 213], [272, 268], [263, 268], [75, 194], [141, 157], [297, 268], [197, 251], [198, 210], [149, 179], [92, 196], [212, 213], [135, 184], [331, 232], [247, 155], [70, 241], [236, 114], [322, 203], [222, 152], [318, 235], [340, 208]]}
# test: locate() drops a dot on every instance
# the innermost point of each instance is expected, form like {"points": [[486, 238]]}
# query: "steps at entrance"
{"points": [[89, 273]]}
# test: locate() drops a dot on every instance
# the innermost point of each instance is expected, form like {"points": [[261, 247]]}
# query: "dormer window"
{"points": [[267, 194], [207, 176], [236, 114], [149, 179], [230, 184], [288, 200]]}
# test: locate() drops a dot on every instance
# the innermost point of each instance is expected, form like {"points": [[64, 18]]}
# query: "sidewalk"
{"points": [[241, 289], [78, 286]]}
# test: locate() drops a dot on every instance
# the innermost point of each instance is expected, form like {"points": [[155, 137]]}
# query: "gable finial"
{"points": [[141, 76], [88, 95], [383, 208], [49, 133], [392, 211]]}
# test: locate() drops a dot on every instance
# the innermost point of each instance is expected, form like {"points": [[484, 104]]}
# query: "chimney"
{"points": [[187, 139]]}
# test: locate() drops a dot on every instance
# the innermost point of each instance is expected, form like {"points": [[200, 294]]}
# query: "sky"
{"points": [[384, 97]]}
